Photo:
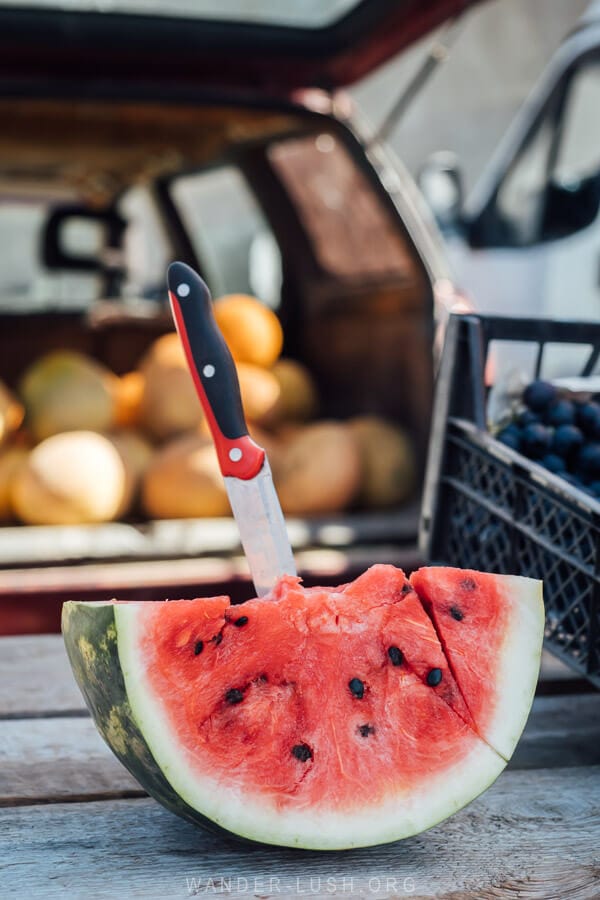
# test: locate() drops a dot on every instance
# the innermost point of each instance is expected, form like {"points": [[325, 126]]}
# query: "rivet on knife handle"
{"points": [[214, 373]]}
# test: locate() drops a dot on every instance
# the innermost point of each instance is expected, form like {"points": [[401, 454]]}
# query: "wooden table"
{"points": [[74, 824]]}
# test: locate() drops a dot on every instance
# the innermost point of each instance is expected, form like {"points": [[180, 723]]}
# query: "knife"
{"points": [[243, 463]]}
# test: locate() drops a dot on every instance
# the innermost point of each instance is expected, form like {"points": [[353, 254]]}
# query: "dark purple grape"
{"points": [[588, 462], [588, 419], [527, 417], [535, 441], [567, 440], [560, 413], [538, 395], [554, 463], [510, 436]]}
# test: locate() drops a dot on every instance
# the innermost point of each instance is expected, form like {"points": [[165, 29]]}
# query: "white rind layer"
{"points": [[516, 677], [251, 816]]}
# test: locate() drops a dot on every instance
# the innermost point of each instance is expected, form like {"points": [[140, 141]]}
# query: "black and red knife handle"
{"points": [[214, 373]]}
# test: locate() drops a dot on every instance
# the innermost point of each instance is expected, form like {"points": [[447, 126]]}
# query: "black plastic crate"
{"points": [[487, 507]]}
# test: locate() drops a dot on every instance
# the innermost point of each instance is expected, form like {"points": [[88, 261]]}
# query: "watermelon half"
{"points": [[316, 718]]}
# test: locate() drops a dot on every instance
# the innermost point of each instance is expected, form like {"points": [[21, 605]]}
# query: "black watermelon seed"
{"points": [[434, 676], [396, 655], [199, 647], [357, 688], [217, 638], [233, 696], [407, 588], [302, 752], [366, 730], [456, 613], [243, 620], [468, 584]]}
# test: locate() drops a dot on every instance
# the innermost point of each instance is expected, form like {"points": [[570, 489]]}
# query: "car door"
{"points": [[571, 223], [534, 249]]}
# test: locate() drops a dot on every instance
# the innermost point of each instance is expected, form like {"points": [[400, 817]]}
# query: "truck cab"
{"points": [[526, 242]]}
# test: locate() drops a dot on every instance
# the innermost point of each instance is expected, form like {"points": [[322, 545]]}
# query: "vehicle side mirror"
{"points": [[440, 181]]}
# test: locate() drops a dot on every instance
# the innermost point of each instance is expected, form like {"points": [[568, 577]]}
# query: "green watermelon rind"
{"points": [[101, 642], [519, 666], [90, 636], [518, 659]]}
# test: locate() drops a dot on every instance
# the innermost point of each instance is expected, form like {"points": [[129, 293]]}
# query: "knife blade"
{"points": [[243, 463]]}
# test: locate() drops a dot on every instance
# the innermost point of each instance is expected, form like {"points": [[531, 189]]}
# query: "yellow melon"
{"points": [[260, 392], [285, 432], [388, 462], [11, 458], [170, 404], [129, 396], [297, 400], [68, 391], [319, 470], [136, 452], [270, 444], [72, 478], [134, 448], [11, 413], [252, 331], [184, 481]]}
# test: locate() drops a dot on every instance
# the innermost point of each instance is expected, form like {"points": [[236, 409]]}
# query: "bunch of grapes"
{"points": [[562, 435]]}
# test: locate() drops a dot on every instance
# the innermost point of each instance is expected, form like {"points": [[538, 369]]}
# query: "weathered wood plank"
{"points": [[36, 678], [523, 838], [553, 669], [54, 760], [561, 731], [51, 760]]}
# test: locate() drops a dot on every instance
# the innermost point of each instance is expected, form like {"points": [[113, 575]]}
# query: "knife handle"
{"points": [[214, 373]]}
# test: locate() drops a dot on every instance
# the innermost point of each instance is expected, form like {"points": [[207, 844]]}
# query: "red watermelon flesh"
{"points": [[413, 634], [485, 625], [316, 718], [235, 694]]}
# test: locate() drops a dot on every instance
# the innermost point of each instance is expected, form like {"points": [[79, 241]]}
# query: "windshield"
{"points": [[300, 13]]}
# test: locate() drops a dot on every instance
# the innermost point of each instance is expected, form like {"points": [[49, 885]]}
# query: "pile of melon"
{"points": [[79, 444]]}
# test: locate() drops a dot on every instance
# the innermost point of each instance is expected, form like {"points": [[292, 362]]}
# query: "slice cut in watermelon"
{"points": [[313, 718], [489, 629]]}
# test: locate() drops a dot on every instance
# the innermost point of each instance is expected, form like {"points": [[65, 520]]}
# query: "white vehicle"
{"points": [[527, 240]]}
